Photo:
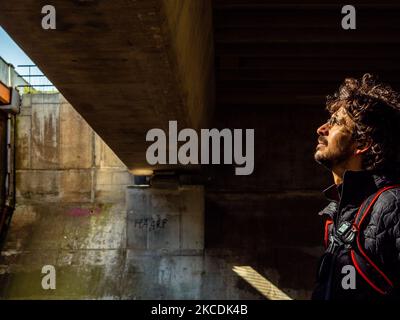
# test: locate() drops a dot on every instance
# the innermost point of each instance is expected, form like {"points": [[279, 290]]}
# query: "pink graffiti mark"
{"points": [[83, 212]]}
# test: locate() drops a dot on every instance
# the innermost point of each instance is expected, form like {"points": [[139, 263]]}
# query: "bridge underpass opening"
{"points": [[124, 68]]}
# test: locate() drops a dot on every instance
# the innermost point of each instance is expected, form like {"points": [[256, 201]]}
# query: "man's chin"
{"points": [[319, 158]]}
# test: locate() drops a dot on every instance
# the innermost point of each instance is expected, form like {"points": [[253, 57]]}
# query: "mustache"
{"points": [[322, 140]]}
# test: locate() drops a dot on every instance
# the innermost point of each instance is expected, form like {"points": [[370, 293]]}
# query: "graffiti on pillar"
{"points": [[151, 224]]}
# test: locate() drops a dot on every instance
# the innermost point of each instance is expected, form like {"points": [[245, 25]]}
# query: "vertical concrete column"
{"points": [[165, 243], [165, 219]]}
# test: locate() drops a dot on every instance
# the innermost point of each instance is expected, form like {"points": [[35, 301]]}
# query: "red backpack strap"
{"points": [[374, 276], [328, 223]]}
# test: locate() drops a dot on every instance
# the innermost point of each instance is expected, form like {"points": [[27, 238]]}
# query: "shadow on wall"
{"points": [[107, 241], [269, 220]]}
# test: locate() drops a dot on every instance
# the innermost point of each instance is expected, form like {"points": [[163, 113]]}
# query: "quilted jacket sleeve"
{"points": [[393, 218], [386, 221]]}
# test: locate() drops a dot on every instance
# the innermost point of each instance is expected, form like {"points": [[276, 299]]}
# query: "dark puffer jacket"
{"points": [[379, 236]]}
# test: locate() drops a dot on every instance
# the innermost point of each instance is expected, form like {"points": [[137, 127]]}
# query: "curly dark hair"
{"points": [[375, 109]]}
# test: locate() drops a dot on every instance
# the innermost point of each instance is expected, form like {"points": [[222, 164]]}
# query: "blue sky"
{"points": [[13, 54]]}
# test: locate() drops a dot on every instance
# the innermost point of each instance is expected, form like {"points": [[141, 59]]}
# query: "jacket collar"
{"points": [[356, 187]]}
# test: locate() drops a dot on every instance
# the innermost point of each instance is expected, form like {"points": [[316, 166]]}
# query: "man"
{"points": [[358, 145]]}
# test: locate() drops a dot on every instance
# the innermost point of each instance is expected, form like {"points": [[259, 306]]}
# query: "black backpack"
{"points": [[348, 235]]}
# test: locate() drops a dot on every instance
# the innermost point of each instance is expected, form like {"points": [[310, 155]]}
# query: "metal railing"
{"points": [[37, 81]]}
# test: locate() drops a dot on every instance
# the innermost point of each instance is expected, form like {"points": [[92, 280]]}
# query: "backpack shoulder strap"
{"points": [[375, 277], [327, 230], [367, 205]]}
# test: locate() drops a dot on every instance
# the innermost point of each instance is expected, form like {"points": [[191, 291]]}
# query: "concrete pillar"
{"points": [[165, 243], [166, 219]]}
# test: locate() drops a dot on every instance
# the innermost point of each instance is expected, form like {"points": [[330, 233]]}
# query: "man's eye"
{"points": [[333, 121]]}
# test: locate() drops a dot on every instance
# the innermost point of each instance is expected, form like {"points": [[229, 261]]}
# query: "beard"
{"points": [[334, 155]]}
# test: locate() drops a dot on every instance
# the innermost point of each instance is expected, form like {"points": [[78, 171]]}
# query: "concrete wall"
{"points": [[189, 31], [76, 211], [8, 74], [70, 202], [270, 218], [125, 66]]}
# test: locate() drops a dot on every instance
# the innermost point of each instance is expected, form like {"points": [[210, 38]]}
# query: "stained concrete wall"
{"points": [[8, 75], [76, 210], [70, 209]]}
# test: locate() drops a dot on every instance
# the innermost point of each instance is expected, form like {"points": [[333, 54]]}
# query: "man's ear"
{"points": [[363, 147]]}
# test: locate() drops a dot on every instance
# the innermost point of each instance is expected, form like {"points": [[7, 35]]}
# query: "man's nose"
{"points": [[323, 130]]}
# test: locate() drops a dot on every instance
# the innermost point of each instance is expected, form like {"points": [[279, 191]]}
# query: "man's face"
{"points": [[335, 143]]}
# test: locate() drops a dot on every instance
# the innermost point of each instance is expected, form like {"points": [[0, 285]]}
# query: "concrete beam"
{"points": [[125, 66]]}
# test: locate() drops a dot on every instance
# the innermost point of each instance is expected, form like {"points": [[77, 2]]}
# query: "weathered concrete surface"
{"points": [[285, 141], [106, 241], [76, 139], [166, 219], [190, 26], [9, 76], [45, 137], [62, 215], [270, 218], [126, 66]]}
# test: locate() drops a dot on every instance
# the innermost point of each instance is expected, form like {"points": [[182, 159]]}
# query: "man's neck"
{"points": [[338, 176], [338, 171]]}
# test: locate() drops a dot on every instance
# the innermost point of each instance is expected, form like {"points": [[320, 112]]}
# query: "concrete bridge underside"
{"points": [[128, 66], [125, 66]]}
